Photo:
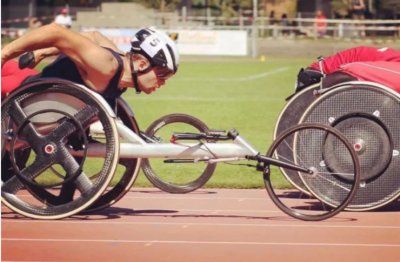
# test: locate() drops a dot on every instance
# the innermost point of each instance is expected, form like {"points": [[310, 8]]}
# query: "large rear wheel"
{"points": [[42, 119]]}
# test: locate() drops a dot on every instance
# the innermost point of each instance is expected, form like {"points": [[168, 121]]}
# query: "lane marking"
{"points": [[201, 198], [166, 196], [146, 242], [306, 225], [234, 79], [209, 99]]}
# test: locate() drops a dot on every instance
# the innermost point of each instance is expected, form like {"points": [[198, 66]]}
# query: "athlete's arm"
{"points": [[96, 37], [96, 64], [101, 40]]}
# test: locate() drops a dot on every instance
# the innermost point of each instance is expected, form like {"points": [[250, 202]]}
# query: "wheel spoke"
{"points": [[83, 183], [67, 126], [14, 184], [71, 166], [18, 115], [66, 193]]}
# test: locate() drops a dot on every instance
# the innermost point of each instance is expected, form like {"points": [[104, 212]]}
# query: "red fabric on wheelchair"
{"points": [[12, 77], [358, 54], [385, 73]]}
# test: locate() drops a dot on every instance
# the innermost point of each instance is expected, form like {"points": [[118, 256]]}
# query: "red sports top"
{"points": [[357, 54], [382, 72]]}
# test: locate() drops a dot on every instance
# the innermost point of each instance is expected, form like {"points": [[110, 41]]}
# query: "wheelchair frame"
{"points": [[134, 146]]}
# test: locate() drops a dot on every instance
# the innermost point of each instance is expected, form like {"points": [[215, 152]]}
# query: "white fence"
{"points": [[338, 28]]}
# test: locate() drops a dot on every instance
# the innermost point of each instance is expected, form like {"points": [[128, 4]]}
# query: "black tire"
{"points": [[85, 107], [308, 143], [162, 183]]}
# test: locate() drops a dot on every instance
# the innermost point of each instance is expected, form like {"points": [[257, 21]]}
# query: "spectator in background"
{"points": [[272, 19], [358, 9], [63, 18], [320, 23], [285, 23]]}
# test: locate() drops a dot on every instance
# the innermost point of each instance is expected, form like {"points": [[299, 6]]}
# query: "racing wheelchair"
{"points": [[65, 150], [367, 114]]}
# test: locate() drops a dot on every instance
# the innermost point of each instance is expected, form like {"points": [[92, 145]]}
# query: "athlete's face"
{"points": [[149, 79], [149, 82]]}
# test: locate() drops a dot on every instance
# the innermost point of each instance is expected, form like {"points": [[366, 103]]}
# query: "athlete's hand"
{"points": [[27, 60]]}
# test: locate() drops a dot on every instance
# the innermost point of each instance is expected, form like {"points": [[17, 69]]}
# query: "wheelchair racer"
{"points": [[360, 63], [91, 59]]}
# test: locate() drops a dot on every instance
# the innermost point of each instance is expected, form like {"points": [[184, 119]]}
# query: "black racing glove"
{"points": [[26, 60], [307, 77]]}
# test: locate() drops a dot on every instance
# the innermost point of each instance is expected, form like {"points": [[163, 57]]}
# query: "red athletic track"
{"points": [[207, 225]]}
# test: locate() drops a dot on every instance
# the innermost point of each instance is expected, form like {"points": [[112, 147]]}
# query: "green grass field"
{"points": [[226, 93]]}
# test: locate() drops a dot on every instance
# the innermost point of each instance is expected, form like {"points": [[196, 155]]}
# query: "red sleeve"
{"points": [[357, 54], [381, 72]]}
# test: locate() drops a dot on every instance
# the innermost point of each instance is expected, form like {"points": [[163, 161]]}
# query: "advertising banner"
{"points": [[190, 42], [212, 42]]}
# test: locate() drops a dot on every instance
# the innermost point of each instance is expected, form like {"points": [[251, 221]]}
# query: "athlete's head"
{"points": [[154, 58]]}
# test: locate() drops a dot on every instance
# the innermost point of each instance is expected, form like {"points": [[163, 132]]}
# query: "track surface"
{"points": [[207, 225]]}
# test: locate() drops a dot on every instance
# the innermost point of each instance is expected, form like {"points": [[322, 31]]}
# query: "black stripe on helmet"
{"points": [[173, 57]]}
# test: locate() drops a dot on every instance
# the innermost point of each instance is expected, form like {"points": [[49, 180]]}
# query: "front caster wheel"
{"points": [[331, 188], [177, 178]]}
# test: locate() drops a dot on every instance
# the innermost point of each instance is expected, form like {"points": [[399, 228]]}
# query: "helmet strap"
{"points": [[134, 73]]}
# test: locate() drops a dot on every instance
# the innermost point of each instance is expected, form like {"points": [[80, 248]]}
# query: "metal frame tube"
{"points": [[136, 147]]}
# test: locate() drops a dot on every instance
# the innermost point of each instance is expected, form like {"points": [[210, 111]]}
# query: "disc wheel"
{"points": [[290, 117], [177, 178], [329, 191], [367, 114], [45, 137]]}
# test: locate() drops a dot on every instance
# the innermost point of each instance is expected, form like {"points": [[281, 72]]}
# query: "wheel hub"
{"points": [[49, 149], [359, 146]]}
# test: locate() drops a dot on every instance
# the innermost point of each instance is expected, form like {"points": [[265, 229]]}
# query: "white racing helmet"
{"points": [[158, 48]]}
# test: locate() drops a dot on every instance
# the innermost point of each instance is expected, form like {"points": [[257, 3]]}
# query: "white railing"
{"points": [[338, 28]]}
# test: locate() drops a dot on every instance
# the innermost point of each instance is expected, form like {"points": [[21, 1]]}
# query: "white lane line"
{"points": [[21, 260], [210, 99], [306, 225], [200, 242], [186, 197], [234, 79], [201, 198], [226, 210]]}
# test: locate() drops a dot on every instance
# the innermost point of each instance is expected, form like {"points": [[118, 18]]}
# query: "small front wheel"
{"points": [[177, 178], [334, 179]]}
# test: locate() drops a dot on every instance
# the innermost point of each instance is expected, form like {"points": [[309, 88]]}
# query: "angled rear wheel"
{"points": [[49, 121]]}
